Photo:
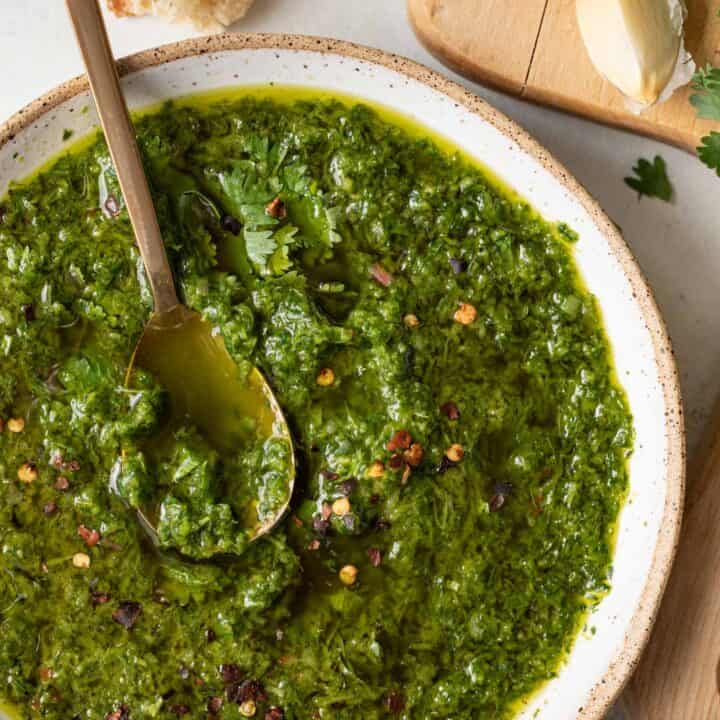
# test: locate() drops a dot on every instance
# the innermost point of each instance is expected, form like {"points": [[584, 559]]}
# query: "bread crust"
{"points": [[203, 14]]}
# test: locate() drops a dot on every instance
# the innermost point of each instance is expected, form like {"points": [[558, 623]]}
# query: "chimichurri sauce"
{"points": [[461, 442]]}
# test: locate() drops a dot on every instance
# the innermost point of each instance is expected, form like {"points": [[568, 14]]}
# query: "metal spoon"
{"points": [[182, 350]]}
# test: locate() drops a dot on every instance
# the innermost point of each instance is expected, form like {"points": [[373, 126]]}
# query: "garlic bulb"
{"points": [[638, 45]]}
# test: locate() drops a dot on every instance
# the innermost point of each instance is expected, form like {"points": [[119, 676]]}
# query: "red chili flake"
{"points": [[375, 556], [91, 537], [380, 274], [298, 522], [275, 713], [314, 545], [501, 492], [50, 509], [537, 504], [248, 690], [199, 682], [45, 673], [29, 312], [276, 208], [99, 598], [496, 502], [414, 454], [396, 462], [122, 713], [395, 702], [406, 475], [214, 705], [62, 483], [179, 710], [445, 464], [320, 526], [329, 474], [401, 440], [127, 614], [451, 410], [349, 486], [111, 206], [231, 673], [72, 466]]}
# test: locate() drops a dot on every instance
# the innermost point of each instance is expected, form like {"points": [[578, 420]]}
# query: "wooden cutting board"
{"points": [[533, 49]]}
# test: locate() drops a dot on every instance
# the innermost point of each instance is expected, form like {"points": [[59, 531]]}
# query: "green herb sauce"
{"points": [[440, 585]]}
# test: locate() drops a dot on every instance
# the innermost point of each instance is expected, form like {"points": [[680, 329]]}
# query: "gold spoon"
{"points": [[183, 351]]}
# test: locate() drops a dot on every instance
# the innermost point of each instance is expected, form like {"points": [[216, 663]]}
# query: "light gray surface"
{"points": [[676, 244]]}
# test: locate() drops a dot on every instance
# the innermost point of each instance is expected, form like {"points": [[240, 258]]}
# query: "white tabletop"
{"points": [[677, 244]]}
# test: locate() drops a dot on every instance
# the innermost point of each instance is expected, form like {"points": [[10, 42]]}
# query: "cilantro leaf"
{"points": [[709, 151], [269, 251], [259, 245], [651, 180], [295, 178], [707, 101], [279, 261], [245, 190]]}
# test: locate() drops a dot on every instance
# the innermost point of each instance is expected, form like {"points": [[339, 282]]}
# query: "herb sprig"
{"points": [[707, 103], [652, 179]]}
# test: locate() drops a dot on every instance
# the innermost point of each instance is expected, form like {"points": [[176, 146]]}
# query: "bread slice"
{"points": [[204, 14]]}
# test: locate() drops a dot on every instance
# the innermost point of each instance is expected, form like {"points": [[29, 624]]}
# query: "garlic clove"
{"points": [[638, 45]]}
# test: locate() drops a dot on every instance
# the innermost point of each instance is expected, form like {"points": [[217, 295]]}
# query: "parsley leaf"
{"points": [[246, 192], [268, 251], [707, 104], [709, 151], [652, 179], [283, 238], [707, 101], [259, 245], [269, 171]]}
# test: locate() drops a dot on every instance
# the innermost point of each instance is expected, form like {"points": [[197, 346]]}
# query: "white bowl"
{"points": [[600, 663]]}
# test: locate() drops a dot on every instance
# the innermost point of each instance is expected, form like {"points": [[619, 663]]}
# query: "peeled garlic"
{"points": [[638, 45]]}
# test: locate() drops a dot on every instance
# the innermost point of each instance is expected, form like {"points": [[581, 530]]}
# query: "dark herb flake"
{"points": [[127, 614]]}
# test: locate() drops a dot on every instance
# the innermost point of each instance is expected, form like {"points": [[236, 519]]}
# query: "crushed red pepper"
{"points": [[127, 614], [91, 537]]}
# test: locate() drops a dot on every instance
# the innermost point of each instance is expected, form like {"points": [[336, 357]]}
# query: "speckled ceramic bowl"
{"points": [[601, 662]]}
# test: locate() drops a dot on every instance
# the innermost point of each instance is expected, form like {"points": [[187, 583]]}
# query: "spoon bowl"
{"points": [[232, 407]]}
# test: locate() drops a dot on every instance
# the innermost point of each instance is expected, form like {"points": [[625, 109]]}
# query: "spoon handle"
{"points": [[120, 135]]}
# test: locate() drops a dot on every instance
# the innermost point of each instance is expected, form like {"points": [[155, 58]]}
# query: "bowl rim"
{"points": [[609, 686]]}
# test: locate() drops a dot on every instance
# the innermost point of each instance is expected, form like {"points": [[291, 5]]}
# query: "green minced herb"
{"points": [[455, 571]]}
